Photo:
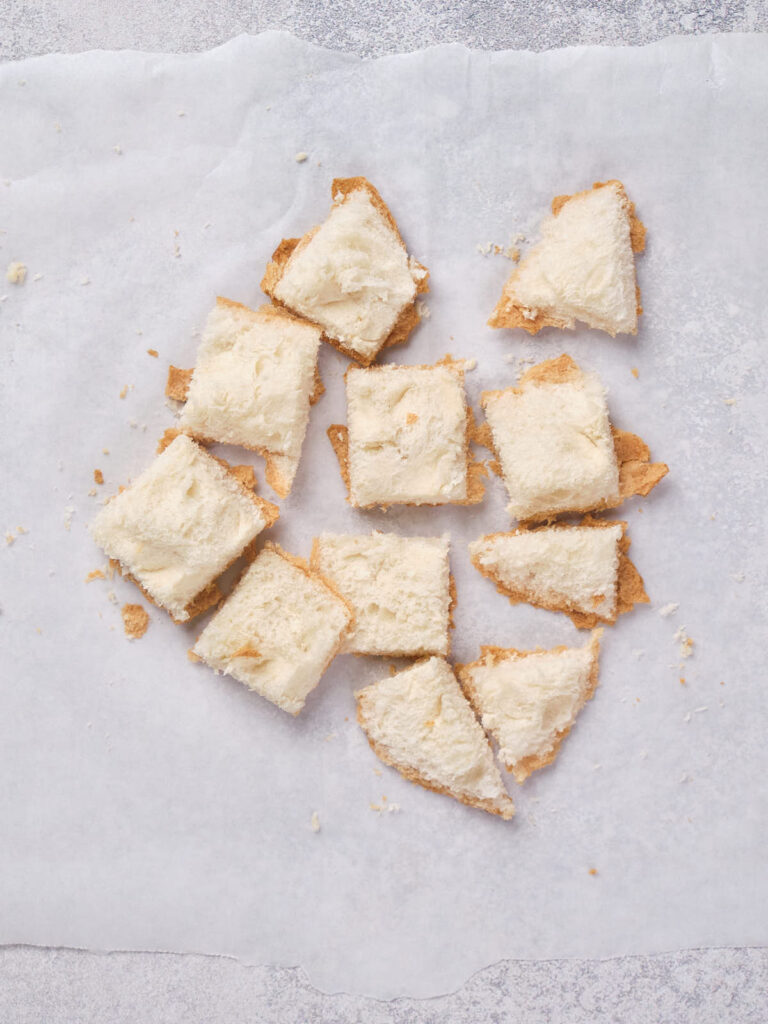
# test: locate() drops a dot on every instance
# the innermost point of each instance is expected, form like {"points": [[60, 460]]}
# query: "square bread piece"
{"points": [[581, 570], [253, 384], [529, 700], [583, 268], [554, 442], [278, 631], [419, 722], [180, 524], [352, 275], [398, 587], [407, 441]]}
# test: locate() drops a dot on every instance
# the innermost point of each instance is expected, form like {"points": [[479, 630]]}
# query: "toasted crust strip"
{"points": [[409, 317], [384, 754], [318, 389], [508, 315], [177, 385], [209, 596], [630, 589], [338, 435], [637, 474], [525, 767]]}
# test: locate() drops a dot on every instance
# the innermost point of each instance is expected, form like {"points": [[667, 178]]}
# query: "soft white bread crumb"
{"points": [[528, 700], [554, 442], [583, 267], [179, 525], [352, 276], [575, 567], [407, 435], [398, 587], [253, 379], [419, 722], [16, 273], [278, 631]]}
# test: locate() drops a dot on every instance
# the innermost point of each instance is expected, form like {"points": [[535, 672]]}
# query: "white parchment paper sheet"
{"points": [[146, 803]]}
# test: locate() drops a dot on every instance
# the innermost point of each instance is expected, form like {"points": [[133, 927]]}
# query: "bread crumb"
{"points": [[635, 372], [16, 273], [124, 392], [105, 451], [69, 511], [668, 609], [10, 538], [638, 654], [135, 621], [729, 401], [593, 871], [737, 577], [686, 643], [314, 822], [301, 157], [57, 126], [682, 680], [118, 149], [512, 254], [112, 596], [85, 280], [95, 574], [181, 113], [37, 277], [21, 529], [98, 476], [152, 352], [704, 707]]}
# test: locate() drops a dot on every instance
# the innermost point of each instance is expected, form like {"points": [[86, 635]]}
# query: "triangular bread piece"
{"points": [[528, 700], [419, 722], [583, 267], [581, 570]]}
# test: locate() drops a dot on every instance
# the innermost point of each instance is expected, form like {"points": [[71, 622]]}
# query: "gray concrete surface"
{"points": [[58, 986]]}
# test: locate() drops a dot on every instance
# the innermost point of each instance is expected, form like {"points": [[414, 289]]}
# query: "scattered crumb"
{"points": [[118, 150], [21, 529], [686, 643], [181, 113], [596, 767], [135, 621], [38, 277], [95, 574], [668, 609], [330, 736], [638, 654], [69, 511], [643, 755], [10, 538], [124, 392], [151, 351], [635, 372], [722, 682], [112, 596], [314, 822], [484, 250], [57, 126], [737, 577], [377, 771], [682, 680], [92, 493], [729, 401], [704, 707], [85, 280], [687, 717], [301, 157], [105, 451], [593, 871], [423, 310], [98, 476], [512, 254], [16, 273]]}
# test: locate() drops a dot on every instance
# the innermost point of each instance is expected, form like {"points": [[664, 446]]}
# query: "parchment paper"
{"points": [[146, 803]]}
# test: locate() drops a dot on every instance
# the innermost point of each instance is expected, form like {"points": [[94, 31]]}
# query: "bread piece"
{"points": [[398, 587], [528, 700], [556, 448], [419, 722], [252, 385], [581, 570], [407, 440], [582, 269], [352, 275], [179, 525], [278, 631]]}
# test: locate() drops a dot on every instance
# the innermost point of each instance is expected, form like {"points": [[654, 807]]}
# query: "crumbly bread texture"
{"points": [[582, 269], [135, 620], [581, 570], [407, 439], [529, 700], [556, 448], [253, 384], [351, 275], [180, 525], [419, 722], [398, 587], [278, 631]]}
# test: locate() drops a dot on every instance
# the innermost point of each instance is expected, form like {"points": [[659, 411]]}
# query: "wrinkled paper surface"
{"points": [[148, 804]]}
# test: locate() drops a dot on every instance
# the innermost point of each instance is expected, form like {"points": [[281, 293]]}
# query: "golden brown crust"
{"points": [[177, 385], [409, 317], [98, 476], [318, 389], [135, 620], [508, 314], [338, 435], [637, 474], [630, 589], [523, 768], [384, 754]]}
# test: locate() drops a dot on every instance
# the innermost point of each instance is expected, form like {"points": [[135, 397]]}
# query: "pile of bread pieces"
{"points": [[350, 282]]}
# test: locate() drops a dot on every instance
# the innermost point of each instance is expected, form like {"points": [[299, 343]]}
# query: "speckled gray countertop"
{"points": [[56, 986]]}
